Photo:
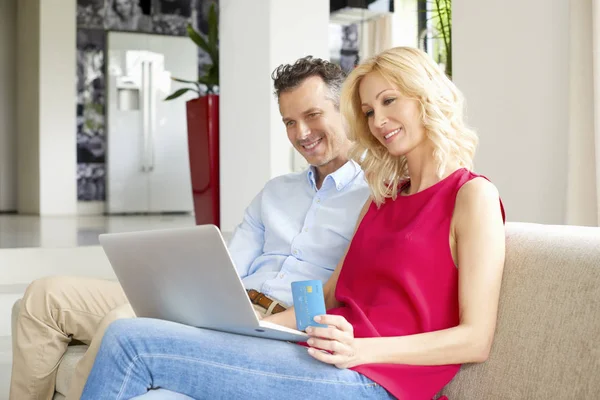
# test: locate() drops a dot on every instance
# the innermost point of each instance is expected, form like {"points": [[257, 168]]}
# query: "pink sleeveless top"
{"points": [[401, 252]]}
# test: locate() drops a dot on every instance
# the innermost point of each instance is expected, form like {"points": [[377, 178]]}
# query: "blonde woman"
{"points": [[414, 297]]}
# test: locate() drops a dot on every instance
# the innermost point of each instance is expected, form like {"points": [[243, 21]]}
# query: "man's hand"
{"points": [[341, 348]]}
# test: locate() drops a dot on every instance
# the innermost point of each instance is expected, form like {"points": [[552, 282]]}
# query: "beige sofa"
{"points": [[547, 343]]}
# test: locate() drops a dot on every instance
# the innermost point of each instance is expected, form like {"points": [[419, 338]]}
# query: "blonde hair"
{"points": [[418, 77]]}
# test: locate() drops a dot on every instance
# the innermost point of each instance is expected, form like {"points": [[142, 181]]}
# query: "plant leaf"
{"points": [[213, 27], [183, 80], [180, 92], [195, 83], [199, 40]]}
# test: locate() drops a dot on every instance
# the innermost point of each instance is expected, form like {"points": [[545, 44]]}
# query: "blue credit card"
{"points": [[308, 303]]}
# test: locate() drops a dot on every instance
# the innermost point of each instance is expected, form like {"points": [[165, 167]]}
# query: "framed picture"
{"points": [[91, 105], [128, 15], [90, 14]]}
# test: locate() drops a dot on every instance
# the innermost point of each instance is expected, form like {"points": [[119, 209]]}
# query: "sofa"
{"points": [[547, 341]]}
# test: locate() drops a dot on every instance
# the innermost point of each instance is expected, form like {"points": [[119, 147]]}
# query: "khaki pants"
{"points": [[53, 312]]}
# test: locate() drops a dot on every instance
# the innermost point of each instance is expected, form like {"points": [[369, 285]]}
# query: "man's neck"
{"points": [[322, 171]]}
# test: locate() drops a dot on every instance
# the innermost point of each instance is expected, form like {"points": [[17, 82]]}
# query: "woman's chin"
{"points": [[396, 151]]}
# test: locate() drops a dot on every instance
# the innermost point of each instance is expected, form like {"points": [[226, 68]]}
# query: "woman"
{"points": [[127, 15], [414, 297]]}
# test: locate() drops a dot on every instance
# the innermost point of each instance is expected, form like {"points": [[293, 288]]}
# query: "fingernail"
{"points": [[317, 318], [309, 329], [310, 342], [311, 351]]}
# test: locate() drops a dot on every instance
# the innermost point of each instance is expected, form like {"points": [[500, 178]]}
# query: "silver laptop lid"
{"points": [[184, 275]]}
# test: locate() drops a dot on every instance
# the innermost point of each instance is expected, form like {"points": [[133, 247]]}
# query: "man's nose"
{"points": [[303, 131]]}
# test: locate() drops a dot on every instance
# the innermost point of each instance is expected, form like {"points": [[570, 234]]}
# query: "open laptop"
{"points": [[186, 275]]}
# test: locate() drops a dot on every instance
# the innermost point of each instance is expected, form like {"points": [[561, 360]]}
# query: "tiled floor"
{"points": [[34, 231]]}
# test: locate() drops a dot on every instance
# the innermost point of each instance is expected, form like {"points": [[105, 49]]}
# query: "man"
{"points": [[296, 228]]}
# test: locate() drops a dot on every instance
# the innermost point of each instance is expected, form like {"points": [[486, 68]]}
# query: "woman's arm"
{"points": [[480, 244], [288, 317]]}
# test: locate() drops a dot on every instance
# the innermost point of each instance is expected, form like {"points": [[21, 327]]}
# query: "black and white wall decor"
{"points": [[90, 14], [91, 136], [349, 57], [128, 15], [94, 19], [170, 17]]}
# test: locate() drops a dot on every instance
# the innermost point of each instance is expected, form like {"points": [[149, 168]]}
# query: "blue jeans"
{"points": [[140, 354]]}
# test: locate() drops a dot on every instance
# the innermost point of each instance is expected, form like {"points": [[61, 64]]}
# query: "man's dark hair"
{"points": [[288, 77]]}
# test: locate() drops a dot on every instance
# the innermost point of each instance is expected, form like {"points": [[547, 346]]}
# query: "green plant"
{"points": [[440, 15], [210, 45]]}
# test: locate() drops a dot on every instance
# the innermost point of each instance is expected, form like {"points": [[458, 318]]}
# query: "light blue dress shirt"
{"points": [[292, 232]]}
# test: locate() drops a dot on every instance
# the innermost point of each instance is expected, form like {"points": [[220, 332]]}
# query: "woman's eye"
{"points": [[388, 101], [369, 114]]}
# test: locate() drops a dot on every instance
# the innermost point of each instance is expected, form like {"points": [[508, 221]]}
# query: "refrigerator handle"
{"points": [[151, 115], [145, 112]]}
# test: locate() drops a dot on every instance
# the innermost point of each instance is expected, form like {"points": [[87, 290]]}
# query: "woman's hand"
{"points": [[341, 348]]}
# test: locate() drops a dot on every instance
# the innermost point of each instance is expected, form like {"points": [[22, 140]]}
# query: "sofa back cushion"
{"points": [[547, 342]]}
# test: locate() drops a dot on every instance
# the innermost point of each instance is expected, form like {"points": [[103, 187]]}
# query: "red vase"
{"points": [[203, 143]]}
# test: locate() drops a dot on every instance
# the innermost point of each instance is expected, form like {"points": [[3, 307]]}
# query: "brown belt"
{"points": [[262, 300]]}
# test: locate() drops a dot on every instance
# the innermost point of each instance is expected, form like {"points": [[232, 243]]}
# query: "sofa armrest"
{"points": [[13, 320]]}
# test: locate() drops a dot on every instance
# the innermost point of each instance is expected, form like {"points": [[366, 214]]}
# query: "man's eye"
{"points": [[313, 115], [289, 123]]}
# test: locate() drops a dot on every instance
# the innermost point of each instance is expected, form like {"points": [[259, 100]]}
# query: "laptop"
{"points": [[186, 275]]}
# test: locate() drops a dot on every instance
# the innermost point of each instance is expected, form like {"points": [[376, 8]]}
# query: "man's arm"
{"points": [[248, 239], [288, 317]]}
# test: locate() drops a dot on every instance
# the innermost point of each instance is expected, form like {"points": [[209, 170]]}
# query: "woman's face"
{"points": [[124, 7], [394, 120]]}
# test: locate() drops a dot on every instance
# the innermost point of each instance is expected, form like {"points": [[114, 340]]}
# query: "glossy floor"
{"points": [[35, 231]]}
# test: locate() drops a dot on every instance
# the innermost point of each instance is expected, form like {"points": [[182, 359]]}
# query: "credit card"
{"points": [[308, 303]]}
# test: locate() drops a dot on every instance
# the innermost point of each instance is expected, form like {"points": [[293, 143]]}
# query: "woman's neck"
{"points": [[423, 170]]}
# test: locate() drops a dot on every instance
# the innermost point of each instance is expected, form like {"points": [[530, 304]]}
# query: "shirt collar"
{"points": [[341, 177]]}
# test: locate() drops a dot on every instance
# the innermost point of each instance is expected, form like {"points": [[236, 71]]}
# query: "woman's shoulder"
{"points": [[478, 187], [477, 195]]}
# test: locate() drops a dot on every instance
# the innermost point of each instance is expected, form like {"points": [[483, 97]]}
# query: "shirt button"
{"points": [[318, 200], [305, 229], [339, 187], [295, 252], [281, 276]]}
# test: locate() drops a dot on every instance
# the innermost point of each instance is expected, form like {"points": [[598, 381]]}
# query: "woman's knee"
{"points": [[125, 330]]}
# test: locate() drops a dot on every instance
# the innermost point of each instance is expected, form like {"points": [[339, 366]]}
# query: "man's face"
{"points": [[314, 126]]}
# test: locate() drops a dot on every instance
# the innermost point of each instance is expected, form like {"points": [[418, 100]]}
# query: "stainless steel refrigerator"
{"points": [[147, 152]]}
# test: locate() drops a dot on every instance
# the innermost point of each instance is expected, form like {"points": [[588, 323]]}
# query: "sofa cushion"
{"points": [[546, 343], [67, 367]]}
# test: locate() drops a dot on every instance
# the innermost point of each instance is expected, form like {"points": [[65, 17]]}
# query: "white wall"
{"points": [[511, 62], [58, 139], [290, 39], [28, 28], [405, 27], [8, 109], [255, 37], [582, 203], [46, 108]]}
